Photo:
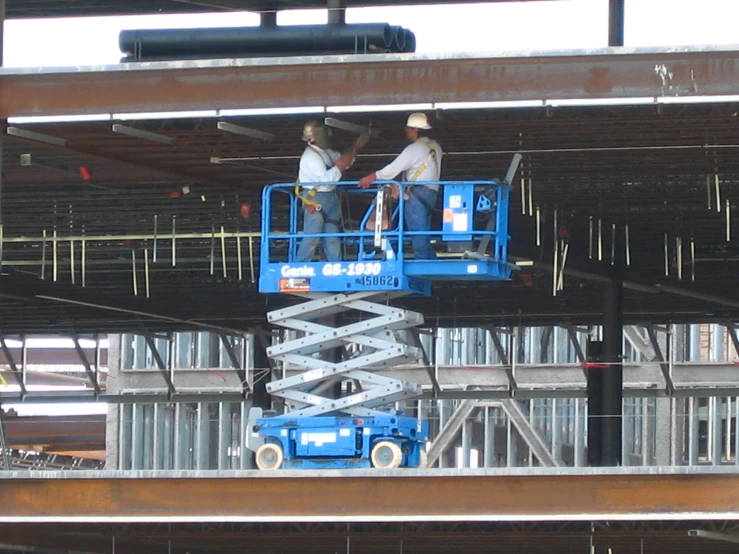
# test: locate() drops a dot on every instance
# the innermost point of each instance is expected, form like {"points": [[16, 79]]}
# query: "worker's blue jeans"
{"points": [[325, 221], [418, 218]]}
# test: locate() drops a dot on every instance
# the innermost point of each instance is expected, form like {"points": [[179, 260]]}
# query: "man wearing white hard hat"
{"points": [[320, 167], [420, 161]]}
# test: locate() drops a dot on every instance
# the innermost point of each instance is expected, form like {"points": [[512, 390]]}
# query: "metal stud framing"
{"points": [[476, 433]]}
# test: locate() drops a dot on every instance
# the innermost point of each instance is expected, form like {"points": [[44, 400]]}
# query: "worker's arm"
{"points": [[342, 161], [402, 163]]}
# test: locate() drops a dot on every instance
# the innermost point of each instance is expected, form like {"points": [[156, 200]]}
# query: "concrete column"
{"points": [[112, 421], [665, 431]]}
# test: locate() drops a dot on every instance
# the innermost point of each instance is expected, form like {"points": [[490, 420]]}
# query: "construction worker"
{"points": [[320, 167], [419, 161]]}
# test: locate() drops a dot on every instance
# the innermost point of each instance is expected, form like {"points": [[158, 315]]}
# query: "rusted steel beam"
{"points": [[56, 430], [373, 79], [364, 496]]}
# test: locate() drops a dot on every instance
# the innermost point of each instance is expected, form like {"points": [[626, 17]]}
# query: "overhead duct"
{"points": [[172, 44]]}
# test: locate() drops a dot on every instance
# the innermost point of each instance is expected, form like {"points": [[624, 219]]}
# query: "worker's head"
{"points": [[416, 126], [314, 132]]}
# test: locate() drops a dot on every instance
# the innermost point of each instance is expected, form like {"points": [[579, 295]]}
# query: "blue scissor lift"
{"points": [[360, 429]]}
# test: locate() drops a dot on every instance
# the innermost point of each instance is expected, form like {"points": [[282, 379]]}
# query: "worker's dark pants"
{"points": [[325, 221], [418, 218]]}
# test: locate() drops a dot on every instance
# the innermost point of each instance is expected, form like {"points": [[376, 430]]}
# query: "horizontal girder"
{"points": [[397, 495]]}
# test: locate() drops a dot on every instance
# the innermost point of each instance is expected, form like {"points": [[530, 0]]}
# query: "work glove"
{"points": [[366, 181], [345, 162]]}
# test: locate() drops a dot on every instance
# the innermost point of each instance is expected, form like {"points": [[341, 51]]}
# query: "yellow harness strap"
{"points": [[432, 156]]}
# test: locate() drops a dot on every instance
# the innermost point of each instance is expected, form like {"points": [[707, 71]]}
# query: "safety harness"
{"points": [[308, 198], [431, 157]]}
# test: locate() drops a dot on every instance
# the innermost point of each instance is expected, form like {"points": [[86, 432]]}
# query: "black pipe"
{"points": [[305, 39], [237, 55], [399, 39], [410, 41]]}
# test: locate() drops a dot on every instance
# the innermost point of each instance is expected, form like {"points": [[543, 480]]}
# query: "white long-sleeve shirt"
{"points": [[317, 166], [410, 160]]}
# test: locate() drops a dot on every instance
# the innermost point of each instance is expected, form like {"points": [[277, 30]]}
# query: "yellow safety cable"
{"points": [[2, 379], [307, 200]]}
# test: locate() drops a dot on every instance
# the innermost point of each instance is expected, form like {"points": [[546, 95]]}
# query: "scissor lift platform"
{"points": [[318, 429]]}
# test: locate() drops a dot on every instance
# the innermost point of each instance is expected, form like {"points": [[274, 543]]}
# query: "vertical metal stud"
{"points": [[613, 243], [667, 258], [55, 256], [238, 257], [718, 192], [133, 272], [538, 226], [590, 238], [154, 248], [251, 257], [98, 358], [71, 259], [43, 254], [212, 249], [523, 196], [628, 245], [531, 197], [223, 250], [708, 190], [24, 361], [83, 260], [174, 240], [556, 255], [679, 253], [692, 259], [728, 221], [600, 240], [146, 271]]}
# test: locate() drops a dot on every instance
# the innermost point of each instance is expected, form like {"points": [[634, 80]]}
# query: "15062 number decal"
{"points": [[377, 281]]}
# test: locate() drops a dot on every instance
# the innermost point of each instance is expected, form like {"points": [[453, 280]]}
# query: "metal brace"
{"points": [[18, 372], [160, 364], [238, 366], [663, 365], [510, 373], [91, 375]]}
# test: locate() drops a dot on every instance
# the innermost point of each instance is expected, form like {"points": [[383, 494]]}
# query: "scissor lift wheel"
{"points": [[424, 463], [386, 455], [269, 456]]}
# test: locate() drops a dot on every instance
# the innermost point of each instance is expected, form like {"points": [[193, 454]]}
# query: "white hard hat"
{"points": [[418, 121]]}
